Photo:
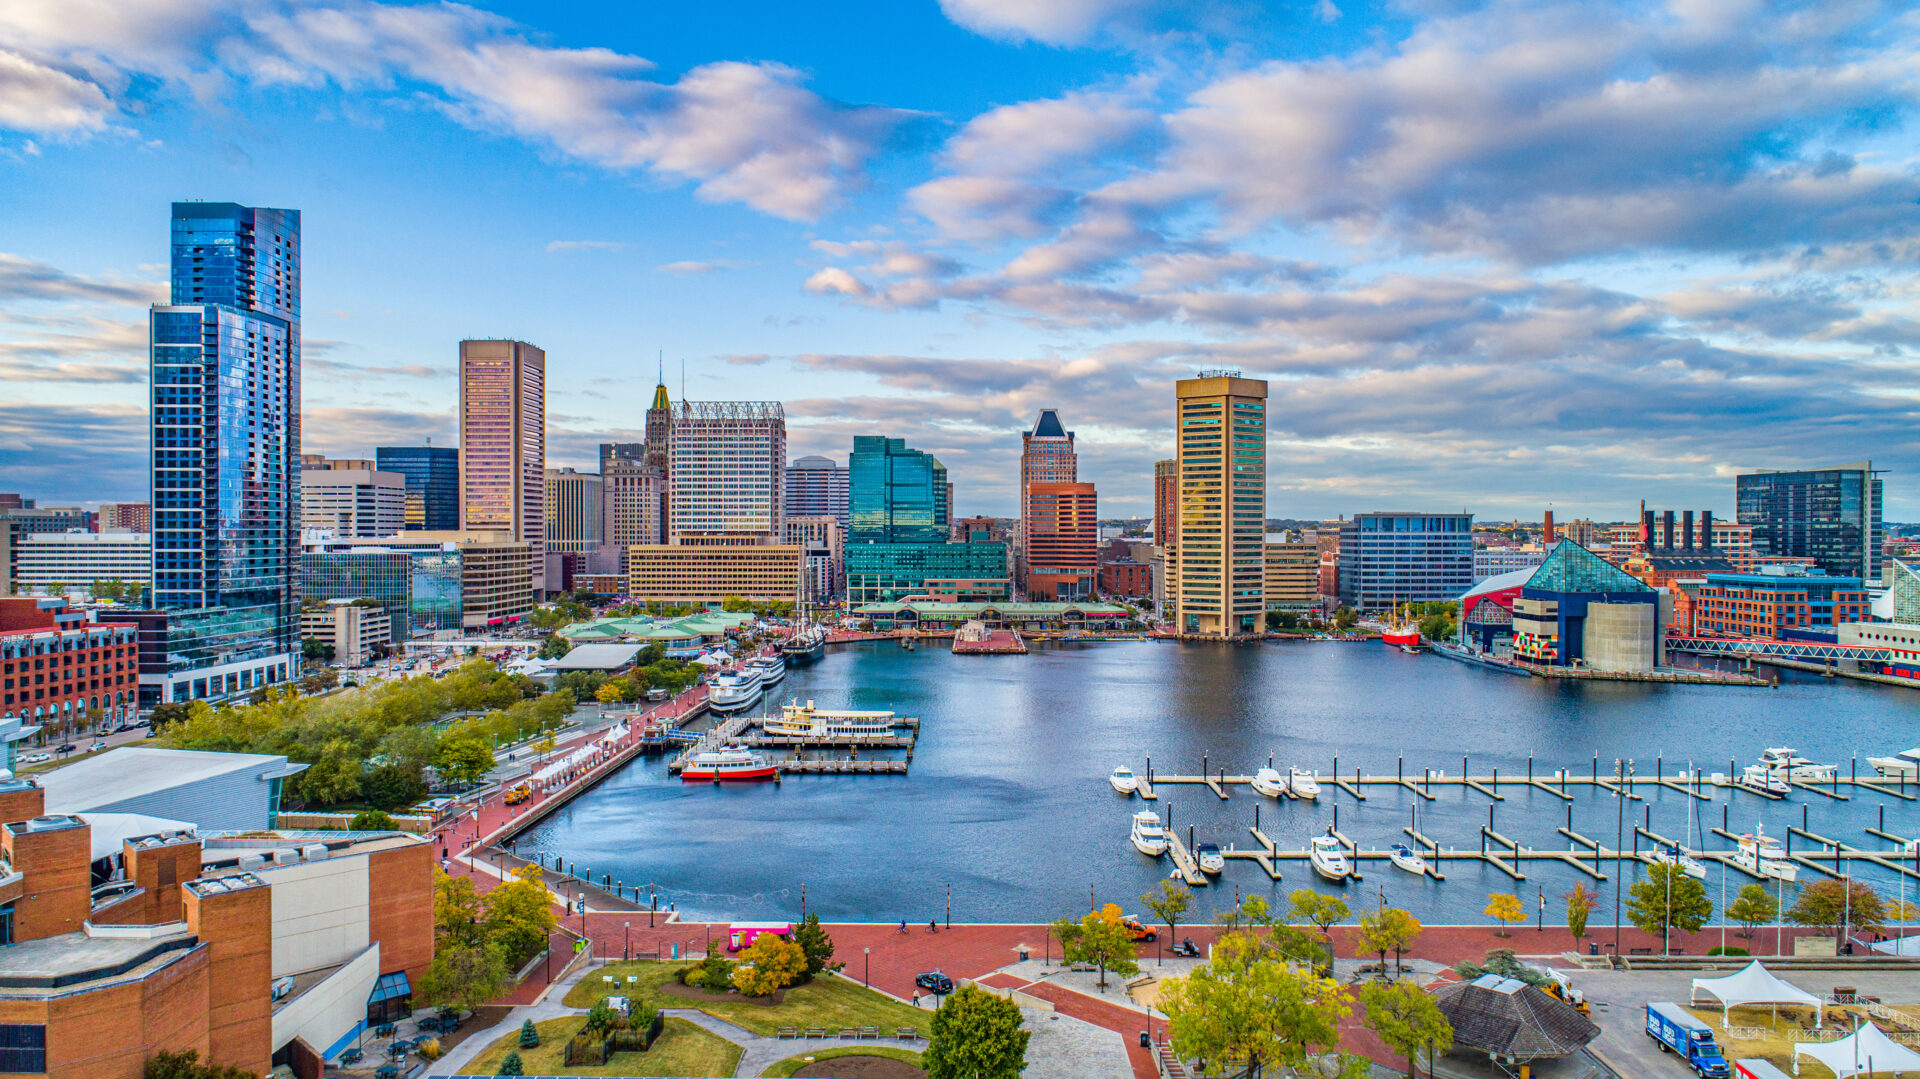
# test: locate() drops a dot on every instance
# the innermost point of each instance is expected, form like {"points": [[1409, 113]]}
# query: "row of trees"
{"points": [[478, 940], [1668, 899]]}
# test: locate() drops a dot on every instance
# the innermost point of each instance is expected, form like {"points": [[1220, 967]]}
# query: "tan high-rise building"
{"points": [[1218, 565], [575, 502], [1166, 502], [1046, 456], [503, 443], [1292, 571]]}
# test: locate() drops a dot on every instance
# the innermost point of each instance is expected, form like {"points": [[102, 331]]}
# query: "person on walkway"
{"points": [[903, 926], [933, 925]]}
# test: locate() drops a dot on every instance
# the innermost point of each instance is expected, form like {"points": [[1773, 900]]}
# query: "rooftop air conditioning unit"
{"points": [[314, 852], [251, 862], [285, 855]]}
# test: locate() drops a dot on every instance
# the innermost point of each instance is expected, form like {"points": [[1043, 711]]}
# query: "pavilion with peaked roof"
{"points": [[1511, 1021], [1579, 610]]}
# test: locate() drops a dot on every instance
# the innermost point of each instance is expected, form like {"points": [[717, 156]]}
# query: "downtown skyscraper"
{"points": [[1046, 456], [1217, 572], [225, 452], [503, 444]]}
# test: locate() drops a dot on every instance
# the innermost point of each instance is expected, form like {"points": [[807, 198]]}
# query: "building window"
{"points": [[23, 1047], [391, 999]]}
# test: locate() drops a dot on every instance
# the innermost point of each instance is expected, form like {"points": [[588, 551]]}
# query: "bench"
{"points": [[786, 1032], [870, 1032], [1639, 951], [816, 1032], [907, 1034], [848, 1032]]}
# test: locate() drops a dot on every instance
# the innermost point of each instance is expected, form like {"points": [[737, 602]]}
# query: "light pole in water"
{"points": [[1622, 771]]}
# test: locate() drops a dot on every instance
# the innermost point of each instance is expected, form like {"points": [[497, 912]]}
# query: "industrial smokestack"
{"points": [[1646, 526], [1686, 529], [1706, 530], [1546, 534], [1666, 529]]}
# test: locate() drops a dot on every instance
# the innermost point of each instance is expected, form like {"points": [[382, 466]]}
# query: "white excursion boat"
{"points": [[1904, 765], [1688, 864], [1405, 857], [1123, 780], [1799, 769], [1149, 837], [1329, 858], [728, 763], [801, 720], [1765, 780], [1302, 783], [734, 691], [1210, 859], [1762, 855], [1269, 782], [772, 669]]}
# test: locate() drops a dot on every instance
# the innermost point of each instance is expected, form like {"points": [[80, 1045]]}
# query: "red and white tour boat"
{"points": [[730, 763]]}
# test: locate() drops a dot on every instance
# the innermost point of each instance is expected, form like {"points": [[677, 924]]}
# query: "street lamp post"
{"points": [[866, 973], [1622, 771]]}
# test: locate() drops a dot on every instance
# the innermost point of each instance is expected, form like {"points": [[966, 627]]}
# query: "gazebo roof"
{"points": [[1510, 1018]]}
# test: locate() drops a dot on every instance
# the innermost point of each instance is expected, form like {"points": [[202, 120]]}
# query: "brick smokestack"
{"points": [[1686, 529], [1546, 533], [1706, 530], [1666, 529]]}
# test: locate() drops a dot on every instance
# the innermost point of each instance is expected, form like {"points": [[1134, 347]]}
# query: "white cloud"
{"points": [[38, 98], [834, 280], [1055, 22]]}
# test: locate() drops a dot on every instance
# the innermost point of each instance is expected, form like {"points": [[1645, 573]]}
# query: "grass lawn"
{"points": [[828, 1001], [681, 1050], [793, 1064]]}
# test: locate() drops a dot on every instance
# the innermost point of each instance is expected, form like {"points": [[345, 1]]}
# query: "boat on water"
{"points": [[1123, 780], [803, 720], [805, 647], [1676, 855], [1302, 783], [1209, 857], [1402, 629], [1329, 858], [1405, 857], [734, 691], [772, 669], [1762, 855], [1149, 836], [1799, 769], [1904, 765], [1269, 782], [1764, 780], [726, 764], [1411, 649]]}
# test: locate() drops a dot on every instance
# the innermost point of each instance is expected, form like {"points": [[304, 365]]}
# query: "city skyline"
{"points": [[1348, 203]]}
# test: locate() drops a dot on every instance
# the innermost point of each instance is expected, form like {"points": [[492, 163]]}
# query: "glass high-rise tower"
{"points": [[225, 440], [433, 484], [1831, 515], [898, 545]]}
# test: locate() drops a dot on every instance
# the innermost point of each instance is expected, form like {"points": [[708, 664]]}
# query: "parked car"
{"points": [[96, 747], [67, 747], [36, 758], [934, 982]]}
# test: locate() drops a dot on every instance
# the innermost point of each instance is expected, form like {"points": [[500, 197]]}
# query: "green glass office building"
{"points": [[900, 512]]}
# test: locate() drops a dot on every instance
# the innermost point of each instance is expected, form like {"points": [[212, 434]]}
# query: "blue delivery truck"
{"points": [[1686, 1037]]}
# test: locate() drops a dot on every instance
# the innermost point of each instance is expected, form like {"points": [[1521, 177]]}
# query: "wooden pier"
{"points": [[750, 731], [1183, 862]]}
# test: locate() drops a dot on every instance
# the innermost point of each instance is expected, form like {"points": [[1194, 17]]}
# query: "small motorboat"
{"points": [[1149, 835], [1799, 769], [1405, 857], [1902, 766], [1210, 859], [1688, 864], [1329, 859], [1269, 782], [1123, 780], [1302, 783], [1764, 780]]}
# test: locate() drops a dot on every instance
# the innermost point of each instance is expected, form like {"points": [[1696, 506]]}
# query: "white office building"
{"points": [[727, 474], [74, 560], [353, 503]]}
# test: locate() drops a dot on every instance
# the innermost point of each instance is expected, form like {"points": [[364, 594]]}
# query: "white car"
{"points": [[36, 758]]}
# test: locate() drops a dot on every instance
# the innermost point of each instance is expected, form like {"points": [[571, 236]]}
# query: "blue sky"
{"points": [[1494, 256]]}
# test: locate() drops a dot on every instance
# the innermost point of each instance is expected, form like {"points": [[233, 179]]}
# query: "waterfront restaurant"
{"points": [[1025, 617], [684, 638]]}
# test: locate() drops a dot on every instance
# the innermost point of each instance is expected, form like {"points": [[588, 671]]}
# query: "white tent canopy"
{"points": [[1864, 1051], [1899, 946], [1754, 985]]}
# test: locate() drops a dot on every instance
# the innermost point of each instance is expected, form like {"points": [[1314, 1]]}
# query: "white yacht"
{"points": [[1269, 782], [1679, 856], [734, 691], [1799, 769], [1123, 780], [1302, 783], [809, 720], [1765, 780], [1149, 837], [772, 669], [1210, 859], [1405, 857], [1329, 858], [1903, 766], [1762, 855]]}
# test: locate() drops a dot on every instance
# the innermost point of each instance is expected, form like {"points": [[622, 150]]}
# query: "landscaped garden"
{"points": [[682, 1049], [829, 1002]]}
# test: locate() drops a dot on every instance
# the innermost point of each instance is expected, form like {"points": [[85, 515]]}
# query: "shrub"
{"points": [[371, 820], [429, 1049], [1731, 949], [510, 1064], [716, 974], [529, 1035]]}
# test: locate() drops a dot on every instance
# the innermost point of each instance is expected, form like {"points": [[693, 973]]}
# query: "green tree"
{"points": [[510, 1064], [1407, 1019], [520, 915], [393, 786], [1505, 908], [1579, 909], [1832, 904], [1248, 1006], [1345, 618], [1282, 938], [370, 820], [464, 977], [1389, 929], [1325, 911], [111, 590], [317, 650], [529, 1035], [464, 759], [816, 944], [1101, 938], [1668, 899], [1168, 904], [1753, 907], [167, 713], [169, 1065], [458, 912], [976, 1035], [769, 964]]}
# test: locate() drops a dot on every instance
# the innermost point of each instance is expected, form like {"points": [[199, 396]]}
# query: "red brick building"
{"points": [[1761, 605], [1125, 577], [1166, 502], [1046, 456], [55, 663], [1063, 542]]}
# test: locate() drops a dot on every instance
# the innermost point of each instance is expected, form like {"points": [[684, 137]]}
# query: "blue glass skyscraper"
{"points": [[433, 484], [225, 421]]}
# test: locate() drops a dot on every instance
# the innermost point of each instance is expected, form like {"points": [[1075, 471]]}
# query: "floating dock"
{"points": [[750, 731]]}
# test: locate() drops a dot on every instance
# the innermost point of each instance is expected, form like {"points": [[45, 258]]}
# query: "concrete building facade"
{"points": [[1392, 558], [77, 559], [503, 444], [693, 573], [353, 502], [1062, 526], [354, 628], [726, 472], [817, 487], [1292, 573], [1217, 565]]}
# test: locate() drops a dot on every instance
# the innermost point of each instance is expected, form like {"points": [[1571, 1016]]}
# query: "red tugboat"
{"points": [[731, 763], [1402, 630]]}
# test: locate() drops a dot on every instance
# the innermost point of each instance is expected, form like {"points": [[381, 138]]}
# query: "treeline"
{"points": [[381, 745]]}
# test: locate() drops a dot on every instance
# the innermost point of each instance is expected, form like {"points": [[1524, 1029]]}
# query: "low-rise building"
{"points": [[1776, 600], [218, 791], [61, 562], [1578, 610], [1292, 572], [1125, 577], [1493, 561], [429, 582], [878, 572], [354, 628], [682, 637], [1026, 617], [689, 573], [58, 663]]}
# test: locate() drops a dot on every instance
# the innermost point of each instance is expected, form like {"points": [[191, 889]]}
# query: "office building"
{"points": [[1166, 502], [817, 487], [1062, 523], [503, 445], [612, 453], [225, 448], [887, 571], [429, 582], [1393, 558], [123, 517], [354, 628], [823, 547], [895, 494], [944, 615], [1218, 564], [659, 434], [575, 504], [58, 663], [41, 520], [433, 484], [1126, 578], [1292, 572], [980, 530], [60, 562], [353, 502], [636, 503], [1493, 561], [709, 573], [1778, 601], [13, 500], [1046, 456], [726, 469], [1831, 515]]}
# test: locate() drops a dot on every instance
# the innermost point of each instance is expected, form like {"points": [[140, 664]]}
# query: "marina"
{"points": [[802, 727]]}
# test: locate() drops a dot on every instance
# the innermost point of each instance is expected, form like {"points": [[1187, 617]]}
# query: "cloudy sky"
{"points": [[1490, 255]]}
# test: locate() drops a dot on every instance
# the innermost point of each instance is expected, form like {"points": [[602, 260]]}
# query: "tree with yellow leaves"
{"points": [[1505, 907]]}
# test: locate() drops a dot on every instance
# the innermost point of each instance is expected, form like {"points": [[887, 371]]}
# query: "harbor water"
{"points": [[1007, 808]]}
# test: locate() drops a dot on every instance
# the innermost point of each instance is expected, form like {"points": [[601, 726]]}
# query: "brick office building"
{"points": [[57, 662], [189, 950]]}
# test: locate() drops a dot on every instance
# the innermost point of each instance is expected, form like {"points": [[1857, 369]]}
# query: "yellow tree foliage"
{"points": [[769, 964], [1506, 907]]}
